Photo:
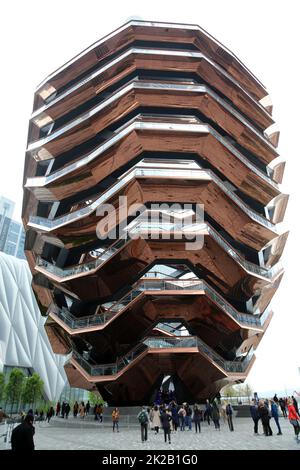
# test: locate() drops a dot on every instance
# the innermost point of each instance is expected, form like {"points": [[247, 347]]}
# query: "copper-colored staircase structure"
{"points": [[162, 114]]}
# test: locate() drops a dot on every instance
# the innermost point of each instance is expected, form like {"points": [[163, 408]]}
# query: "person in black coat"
{"points": [[283, 407], [263, 413], [165, 422], [197, 418], [254, 416], [22, 435], [229, 413]]}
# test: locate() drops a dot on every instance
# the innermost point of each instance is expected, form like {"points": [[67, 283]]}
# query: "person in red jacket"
{"points": [[294, 419]]}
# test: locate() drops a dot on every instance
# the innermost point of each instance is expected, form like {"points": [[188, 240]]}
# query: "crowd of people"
{"points": [[80, 410], [169, 417], [173, 417], [63, 409], [264, 410]]}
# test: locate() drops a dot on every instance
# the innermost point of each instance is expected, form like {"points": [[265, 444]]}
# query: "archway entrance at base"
{"points": [[169, 388]]}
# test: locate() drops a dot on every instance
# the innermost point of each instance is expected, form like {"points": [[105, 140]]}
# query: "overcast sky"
{"points": [[38, 37]]}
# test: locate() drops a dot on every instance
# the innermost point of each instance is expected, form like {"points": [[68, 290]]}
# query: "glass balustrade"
{"points": [[136, 172], [228, 366], [170, 342], [84, 267], [251, 267], [172, 227], [179, 330], [110, 369], [112, 309], [58, 97], [158, 274], [136, 84], [163, 343]]}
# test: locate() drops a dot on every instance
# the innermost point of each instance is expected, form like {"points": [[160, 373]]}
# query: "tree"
{"points": [[2, 385], [13, 388], [240, 391], [229, 391], [33, 389], [248, 391], [95, 398]]}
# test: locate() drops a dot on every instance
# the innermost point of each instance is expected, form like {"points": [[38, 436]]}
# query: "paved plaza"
{"points": [[72, 435]]}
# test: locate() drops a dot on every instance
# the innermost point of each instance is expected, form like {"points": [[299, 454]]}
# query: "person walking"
{"points": [[155, 418], [143, 418], [263, 413], [166, 418], [22, 435], [215, 415], [223, 411], [100, 412], [188, 417], [57, 408], [87, 408], [175, 417], [294, 418], [81, 410], [96, 412], [75, 409], [254, 416], [182, 415], [50, 413], [282, 405], [275, 399], [197, 418], [229, 414], [115, 419], [63, 409], [274, 414], [67, 410], [208, 412]]}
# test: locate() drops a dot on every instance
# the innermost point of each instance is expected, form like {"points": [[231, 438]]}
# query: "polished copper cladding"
{"points": [[162, 114]]}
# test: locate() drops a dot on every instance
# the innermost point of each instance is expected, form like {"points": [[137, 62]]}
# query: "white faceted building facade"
{"points": [[23, 339]]}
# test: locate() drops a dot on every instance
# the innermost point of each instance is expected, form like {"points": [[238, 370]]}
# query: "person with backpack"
{"points": [[143, 418]]}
